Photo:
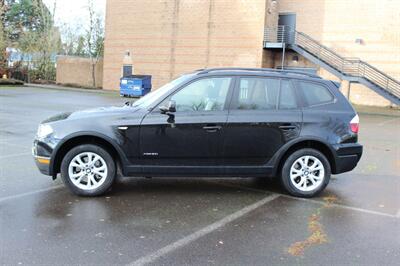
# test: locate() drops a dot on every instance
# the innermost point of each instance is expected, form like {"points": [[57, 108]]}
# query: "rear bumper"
{"points": [[346, 157]]}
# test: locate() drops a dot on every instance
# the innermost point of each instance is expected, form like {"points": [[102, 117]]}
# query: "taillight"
{"points": [[355, 124]]}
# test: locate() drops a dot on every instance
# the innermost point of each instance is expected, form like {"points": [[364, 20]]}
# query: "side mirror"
{"points": [[171, 108]]}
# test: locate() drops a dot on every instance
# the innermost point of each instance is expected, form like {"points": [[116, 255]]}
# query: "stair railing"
{"points": [[348, 66]]}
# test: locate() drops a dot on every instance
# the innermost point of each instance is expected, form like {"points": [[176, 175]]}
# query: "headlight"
{"points": [[44, 130]]}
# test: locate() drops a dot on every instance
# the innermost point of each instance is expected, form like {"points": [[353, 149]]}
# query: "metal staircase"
{"points": [[346, 68]]}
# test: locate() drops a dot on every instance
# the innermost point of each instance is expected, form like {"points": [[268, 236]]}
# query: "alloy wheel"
{"points": [[307, 173], [87, 170]]}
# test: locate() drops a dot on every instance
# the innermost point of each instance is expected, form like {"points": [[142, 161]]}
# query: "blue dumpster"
{"points": [[135, 85]]}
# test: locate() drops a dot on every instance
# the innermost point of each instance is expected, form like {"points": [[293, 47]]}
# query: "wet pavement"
{"points": [[191, 221]]}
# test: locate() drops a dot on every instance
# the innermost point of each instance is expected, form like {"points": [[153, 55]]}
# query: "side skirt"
{"points": [[198, 171]]}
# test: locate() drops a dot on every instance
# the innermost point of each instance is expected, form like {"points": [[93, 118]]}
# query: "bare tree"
{"points": [[3, 38], [73, 43], [94, 38]]}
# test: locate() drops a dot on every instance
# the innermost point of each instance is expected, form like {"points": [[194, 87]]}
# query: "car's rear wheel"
{"points": [[88, 170], [305, 173]]}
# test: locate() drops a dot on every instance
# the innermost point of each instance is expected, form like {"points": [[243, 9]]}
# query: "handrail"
{"points": [[348, 66]]}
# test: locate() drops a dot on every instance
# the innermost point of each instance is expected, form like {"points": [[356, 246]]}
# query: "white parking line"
{"points": [[29, 193], [317, 201], [202, 232], [15, 155], [347, 207]]}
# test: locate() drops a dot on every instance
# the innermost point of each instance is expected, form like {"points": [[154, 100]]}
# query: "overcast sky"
{"points": [[74, 12]]}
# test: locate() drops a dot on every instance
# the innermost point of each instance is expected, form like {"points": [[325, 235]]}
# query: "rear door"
{"points": [[264, 115]]}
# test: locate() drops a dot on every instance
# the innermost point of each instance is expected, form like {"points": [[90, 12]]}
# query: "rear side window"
{"points": [[287, 98], [315, 94], [258, 94], [265, 94]]}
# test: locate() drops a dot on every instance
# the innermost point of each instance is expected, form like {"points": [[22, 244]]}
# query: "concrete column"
{"points": [[271, 13], [271, 20], [345, 88]]}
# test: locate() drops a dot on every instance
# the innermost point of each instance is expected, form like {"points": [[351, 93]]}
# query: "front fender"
{"points": [[59, 149]]}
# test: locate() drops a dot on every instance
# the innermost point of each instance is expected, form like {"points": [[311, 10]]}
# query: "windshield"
{"points": [[153, 96]]}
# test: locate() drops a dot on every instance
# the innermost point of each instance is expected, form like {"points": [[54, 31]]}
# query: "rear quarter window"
{"points": [[315, 94]]}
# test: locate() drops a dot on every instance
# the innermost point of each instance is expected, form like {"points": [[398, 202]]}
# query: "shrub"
{"points": [[10, 82]]}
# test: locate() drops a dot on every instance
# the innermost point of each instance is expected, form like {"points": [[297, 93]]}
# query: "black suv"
{"points": [[232, 122]]}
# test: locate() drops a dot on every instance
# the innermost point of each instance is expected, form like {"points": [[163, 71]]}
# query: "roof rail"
{"points": [[283, 71]]}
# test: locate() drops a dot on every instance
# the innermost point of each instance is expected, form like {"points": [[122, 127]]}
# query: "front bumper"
{"points": [[43, 164], [347, 157], [42, 155]]}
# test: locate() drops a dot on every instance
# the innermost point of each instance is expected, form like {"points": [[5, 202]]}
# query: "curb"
{"points": [[63, 88], [370, 110]]}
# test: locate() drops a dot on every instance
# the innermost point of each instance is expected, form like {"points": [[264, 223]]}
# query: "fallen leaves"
{"points": [[397, 164], [372, 167], [318, 236], [329, 200], [316, 229]]}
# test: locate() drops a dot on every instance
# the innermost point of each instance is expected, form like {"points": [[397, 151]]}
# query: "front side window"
{"points": [[155, 95], [315, 94], [207, 94], [257, 93]]}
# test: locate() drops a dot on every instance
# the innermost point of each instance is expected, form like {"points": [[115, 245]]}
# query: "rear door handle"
{"points": [[212, 128]]}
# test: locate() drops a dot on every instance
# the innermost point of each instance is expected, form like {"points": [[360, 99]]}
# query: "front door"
{"points": [[287, 22], [187, 141], [264, 116], [287, 19]]}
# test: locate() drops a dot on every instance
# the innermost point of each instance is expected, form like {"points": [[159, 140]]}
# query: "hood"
{"points": [[94, 112]]}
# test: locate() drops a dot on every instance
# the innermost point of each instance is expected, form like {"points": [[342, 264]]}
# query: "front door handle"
{"points": [[287, 127], [212, 128]]}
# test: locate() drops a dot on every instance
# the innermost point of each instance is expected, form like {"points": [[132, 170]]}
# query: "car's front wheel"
{"points": [[88, 170], [305, 173]]}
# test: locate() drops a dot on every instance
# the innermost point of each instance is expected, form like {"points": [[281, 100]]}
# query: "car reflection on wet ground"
{"points": [[192, 221]]}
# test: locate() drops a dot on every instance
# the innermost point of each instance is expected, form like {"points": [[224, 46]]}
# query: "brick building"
{"points": [[170, 37]]}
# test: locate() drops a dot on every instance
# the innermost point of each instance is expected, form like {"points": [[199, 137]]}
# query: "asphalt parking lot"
{"points": [[198, 221]]}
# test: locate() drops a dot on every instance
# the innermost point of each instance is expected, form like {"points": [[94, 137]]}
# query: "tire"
{"points": [[88, 178], [301, 177]]}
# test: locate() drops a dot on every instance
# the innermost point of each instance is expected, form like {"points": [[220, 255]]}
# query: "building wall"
{"points": [[338, 23], [78, 71], [169, 37]]}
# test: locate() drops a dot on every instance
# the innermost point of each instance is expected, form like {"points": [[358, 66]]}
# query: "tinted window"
{"points": [[203, 95], [287, 98], [258, 93], [315, 94]]}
